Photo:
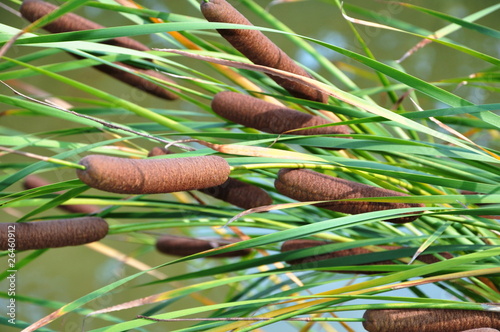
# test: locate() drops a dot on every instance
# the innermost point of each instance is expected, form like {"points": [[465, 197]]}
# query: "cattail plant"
{"points": [[52, 233], [304, 243], [306, 185], [397, 152], [33, 10], [152, 176], [233, 191], [33, 181], [259, 114], [258, 48], [185, 246], [428, 320]]}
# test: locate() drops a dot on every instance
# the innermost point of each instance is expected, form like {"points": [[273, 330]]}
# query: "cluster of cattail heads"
{"points": [[302, 185], [186, 246], [253, 112], [304, 244], [33, 10], [430, 320]]}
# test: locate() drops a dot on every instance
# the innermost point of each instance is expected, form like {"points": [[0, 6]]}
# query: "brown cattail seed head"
{"points": [[428, 320], [240, 194], [185, 246], [33, 181], [233, 191], [303, 244], [259, 49], [32, 10], [52, 233], [152, 176], [306, 185], [259, 114]]}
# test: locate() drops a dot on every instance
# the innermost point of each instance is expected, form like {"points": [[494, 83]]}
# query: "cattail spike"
{"points": [[256, 113], [185, 246], [52, 233], [306, 185], [428, 320], [258, 48], [152, 176]]}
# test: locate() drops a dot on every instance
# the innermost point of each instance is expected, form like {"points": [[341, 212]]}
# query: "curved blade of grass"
{"points": [[72, 64], [434, 37], [35, 192], [430, 240], [185, 312], [28, 57], [21, 142], [466, 22], [46, 110], [382, 78], [54, 202]]}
